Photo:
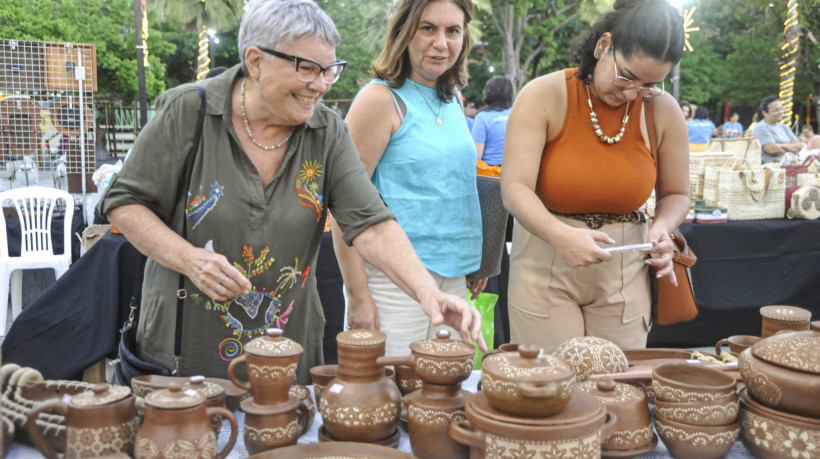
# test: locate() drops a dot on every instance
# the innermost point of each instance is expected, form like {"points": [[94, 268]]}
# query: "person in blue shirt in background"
{"points": [[701, 129], [732, 128], [490, 123]]}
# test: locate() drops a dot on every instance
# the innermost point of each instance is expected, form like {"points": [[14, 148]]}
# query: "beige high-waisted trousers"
{"points": [[550, 302]]}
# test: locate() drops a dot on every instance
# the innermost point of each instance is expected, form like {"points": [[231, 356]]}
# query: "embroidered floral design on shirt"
{"points": [[307, 189], [202, 205]]}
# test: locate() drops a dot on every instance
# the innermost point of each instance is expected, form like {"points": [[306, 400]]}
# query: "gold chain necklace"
{"points": [[598, 131], [438, 120], [248, 125]]}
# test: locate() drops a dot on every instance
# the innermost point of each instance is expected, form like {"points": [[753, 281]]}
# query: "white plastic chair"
{"points": [[35, 207]]}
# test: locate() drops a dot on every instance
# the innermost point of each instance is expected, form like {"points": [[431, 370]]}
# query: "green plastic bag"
{"points": [[485, 303]]}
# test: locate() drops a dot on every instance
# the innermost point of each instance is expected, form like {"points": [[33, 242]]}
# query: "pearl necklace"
{"points": [[598, 131], [438, 120], [248, 125]]}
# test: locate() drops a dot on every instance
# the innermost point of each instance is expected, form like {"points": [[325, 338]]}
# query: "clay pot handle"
{"points": [[34, 431], [303, 425], [609, 426], [462, 431], [232, 375], [397, 360], [529, 389], [720, 344], [225, 413]]}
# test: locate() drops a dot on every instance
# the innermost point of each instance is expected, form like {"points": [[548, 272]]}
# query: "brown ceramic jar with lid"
{"points": [[214, 396], [437, 361], [633, 430], [360, 404], [178, 420], [99, 421], [777, 318], [271, 361]]}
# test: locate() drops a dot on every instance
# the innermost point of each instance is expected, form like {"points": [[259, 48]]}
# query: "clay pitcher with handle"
{"points": [[271, 361]]}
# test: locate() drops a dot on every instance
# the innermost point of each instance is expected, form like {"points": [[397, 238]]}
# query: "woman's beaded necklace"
{"points": [[438, 119], [597, 127], [248, 125]]}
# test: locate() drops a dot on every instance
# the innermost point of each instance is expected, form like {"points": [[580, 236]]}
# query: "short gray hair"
{"points": [[278, 23]]}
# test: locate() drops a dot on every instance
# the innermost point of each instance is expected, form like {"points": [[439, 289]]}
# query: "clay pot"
{"points": [[633, 430], [736, 343], [777, 318], [306, 411], [575, 432], [590, 355], [772, 434], [272, 426], [360, 404], [429, 414], [702, 442], [684, 382], [177, 420], [527, 383], [323, 374], [100, 421], [271, 361], [145, 384], [214, 396], [705, 413], [783, 372], [437, 361]]}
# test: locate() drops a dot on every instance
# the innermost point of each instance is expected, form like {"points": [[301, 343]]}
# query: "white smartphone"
{"points": [[629, 248]]}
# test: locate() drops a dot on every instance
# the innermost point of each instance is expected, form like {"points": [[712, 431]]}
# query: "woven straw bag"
{"points": [[805, 204], [748, 192], [695, 186], [741, 148]]}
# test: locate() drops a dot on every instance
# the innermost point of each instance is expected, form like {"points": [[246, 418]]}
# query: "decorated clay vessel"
{"points": [[437, 361], [271, 361], [633, 431], [272, 426]]}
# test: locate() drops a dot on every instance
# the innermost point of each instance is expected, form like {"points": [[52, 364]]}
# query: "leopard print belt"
{"points": [[596, 221]]}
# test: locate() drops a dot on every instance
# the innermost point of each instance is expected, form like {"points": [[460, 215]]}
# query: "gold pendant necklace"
{"points": [[597, 127], [248, 125], [438, 120]]}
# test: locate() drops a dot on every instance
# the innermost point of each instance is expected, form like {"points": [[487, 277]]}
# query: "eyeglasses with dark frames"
{"points": [[307, 70], [624, 83]]}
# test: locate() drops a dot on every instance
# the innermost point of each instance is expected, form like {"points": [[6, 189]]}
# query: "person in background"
{"points": [[686, 109], [410, 130], [271, 162], [701, 129], [578, 167], [491, 121], [809, 138], [755, 118], [776, 139], [732, 128], [469, 113]]}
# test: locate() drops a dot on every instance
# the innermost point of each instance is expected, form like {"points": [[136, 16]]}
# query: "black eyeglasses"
{"points": [[307, 70], [624, 83]]}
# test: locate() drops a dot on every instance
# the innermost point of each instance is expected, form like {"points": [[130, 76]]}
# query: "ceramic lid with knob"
{"points": [[362, 337], [273, 344], [798, 351], [208, 389], [786, 313], [612, 393], [528, 364], [443, 346], [99, 395], [175, 398]]}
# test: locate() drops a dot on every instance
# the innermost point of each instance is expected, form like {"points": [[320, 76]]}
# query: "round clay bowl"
{"points": [[770, 434], [701, 442], [333, 449], [780, 388], [706, 413], [684, 382], [590, 355]]}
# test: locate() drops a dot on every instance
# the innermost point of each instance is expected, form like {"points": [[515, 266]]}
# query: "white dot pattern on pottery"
{"points": [[699, 415], [801, 353], [445, 367], [505, 366], [591, 355], [290, 431], [277, 346], [435, 417], [204, 448], [625, 393], [271, 371], [94, 442], [629, 439], [89, 398], [697, 439], [587, 447], [759, 384], [359, 415], [510, 388], [778, 438], [664, 392]]}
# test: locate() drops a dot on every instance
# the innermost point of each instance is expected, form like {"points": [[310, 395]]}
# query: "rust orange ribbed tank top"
{"points": [[581, 174]]}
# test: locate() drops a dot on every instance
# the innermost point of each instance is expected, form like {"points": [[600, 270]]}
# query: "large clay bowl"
{"points": [[684, 382], [780, 388], [701, 442], [705, 413], [770, 434]]}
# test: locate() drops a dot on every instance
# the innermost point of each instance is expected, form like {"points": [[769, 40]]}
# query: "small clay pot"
{"points": [[761, 425], [271, 361], [777, 318], [706, 413], [272, 426], [100, 421], [633, 430], [684, 382], [527, 383], [429, 414], [437, 361], [736, 343], [323, 374], [702, 442]]}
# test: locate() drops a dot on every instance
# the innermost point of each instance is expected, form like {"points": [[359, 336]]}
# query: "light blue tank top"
{"points": [[427, 177]]}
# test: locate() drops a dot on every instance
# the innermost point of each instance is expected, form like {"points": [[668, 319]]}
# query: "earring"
{"points": [[257, 78], [597, 53]]}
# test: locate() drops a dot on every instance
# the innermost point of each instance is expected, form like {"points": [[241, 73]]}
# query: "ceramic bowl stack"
{"points": [[696, 409], [780, 406]]}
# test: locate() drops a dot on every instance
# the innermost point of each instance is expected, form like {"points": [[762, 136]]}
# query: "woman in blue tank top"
{"points": [[410, 131]]}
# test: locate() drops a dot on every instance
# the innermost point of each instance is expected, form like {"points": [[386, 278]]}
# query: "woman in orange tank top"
{"points": [[578, 167]]}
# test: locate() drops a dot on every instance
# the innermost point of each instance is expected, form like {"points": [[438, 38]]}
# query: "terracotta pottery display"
{"points": [[705, 413], [783, 371], [736, 343], [360, 404], [335, 449], [320, 375], [772, 434], [178, 422], [633, 430], [527, 383], [306, 411], [145, 384], [214, 396], [683, 382], [701, 442], [777, 318], [100, 421], [575, 432], [430, 411], [271, 361], [272, 426], [590, 355], [437, 361]]}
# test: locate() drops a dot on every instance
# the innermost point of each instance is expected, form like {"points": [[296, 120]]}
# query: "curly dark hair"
{"points": [[498, 94], [653, 28]]}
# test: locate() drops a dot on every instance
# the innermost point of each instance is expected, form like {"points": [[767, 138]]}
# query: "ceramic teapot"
{"points": [[271, 361], [99, 421], [437, 361], [178, 422]]}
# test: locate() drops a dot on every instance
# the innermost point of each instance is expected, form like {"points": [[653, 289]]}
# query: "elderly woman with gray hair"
{"points": [[271, 162]]}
